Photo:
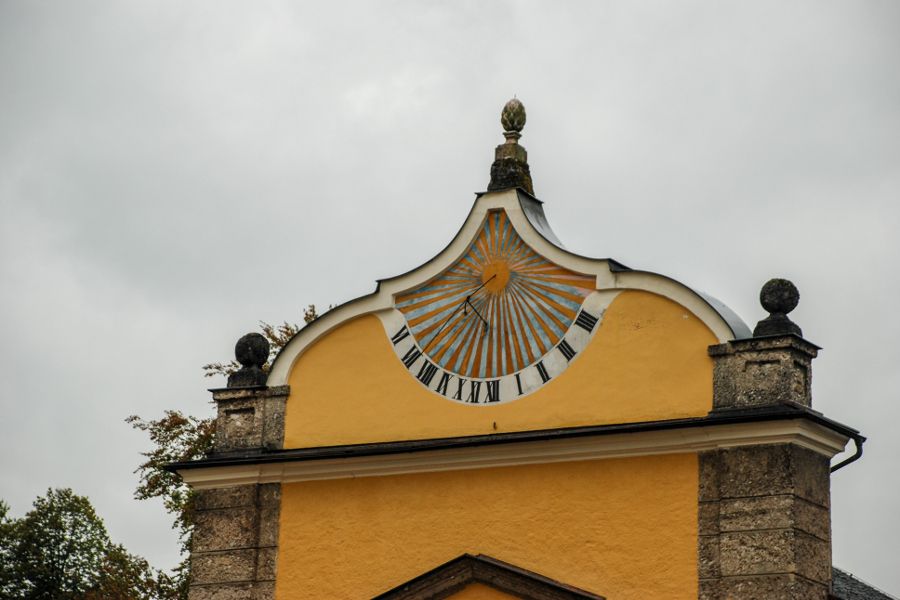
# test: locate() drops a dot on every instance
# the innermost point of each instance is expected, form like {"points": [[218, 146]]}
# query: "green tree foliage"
{"points": [[60, 550], [8, 536], [177, 437]]}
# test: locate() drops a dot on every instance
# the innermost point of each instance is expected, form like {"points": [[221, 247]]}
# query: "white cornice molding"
{"points": [[673, 441], [383, 297]]}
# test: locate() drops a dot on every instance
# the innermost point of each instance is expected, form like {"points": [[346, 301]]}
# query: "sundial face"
{"points": [[498, 324]]}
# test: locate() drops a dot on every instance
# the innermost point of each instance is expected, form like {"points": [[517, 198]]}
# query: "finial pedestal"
{"points": [[774, 366], [510, 167]]}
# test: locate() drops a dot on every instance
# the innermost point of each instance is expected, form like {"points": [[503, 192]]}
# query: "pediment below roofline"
{"points": [[526, 216], [451, 580]]}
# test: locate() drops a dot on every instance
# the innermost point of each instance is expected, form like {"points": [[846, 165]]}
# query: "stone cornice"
{"points": [[718, 430]]}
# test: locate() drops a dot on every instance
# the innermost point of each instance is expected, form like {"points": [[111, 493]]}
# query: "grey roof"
{"points": [[845, 586]]}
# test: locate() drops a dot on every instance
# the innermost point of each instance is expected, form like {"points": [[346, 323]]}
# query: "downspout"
{"points": [[858, 440]]}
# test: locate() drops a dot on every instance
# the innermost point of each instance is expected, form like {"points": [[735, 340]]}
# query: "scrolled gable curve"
{"points": [[527, 218]]}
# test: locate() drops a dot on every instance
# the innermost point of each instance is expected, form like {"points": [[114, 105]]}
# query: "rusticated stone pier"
{"points": [[764, 517], [235, 545]]}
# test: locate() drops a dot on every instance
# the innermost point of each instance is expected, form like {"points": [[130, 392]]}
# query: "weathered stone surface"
{"points": [[760, 512], [763, 516], [770, 587], [238, 424], [774, 512], [230, 497], [774, 469], [708, 518], [250, 418], [710, 589], [756, 552], [710, 469], [225, 529], [224, 567], [270, 493], [812, 475], [812, 519], [708, 559], [778, 551], [235, 545], [239, 591], [265, 590], [812, 557], [235, 541], [273, 422], [266, 562], [268, 525], [755, 471], [762, 372]]}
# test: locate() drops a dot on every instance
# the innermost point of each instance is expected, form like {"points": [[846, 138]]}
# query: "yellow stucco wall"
{"points": [[477, 591], [623, 528], [647, 361]]}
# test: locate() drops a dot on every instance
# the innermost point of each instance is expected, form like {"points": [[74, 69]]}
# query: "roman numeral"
{"points": [[459, 388], [493, 391], [545, 377], [426, 373], [586, 321], [566, 350], [411, 356], [519, 383], [400, 335], [474, 392], [443, 383]]}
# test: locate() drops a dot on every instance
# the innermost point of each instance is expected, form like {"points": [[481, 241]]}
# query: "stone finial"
{"points": [[252, 351], [513, 117], [510, 168], [779, 297]]}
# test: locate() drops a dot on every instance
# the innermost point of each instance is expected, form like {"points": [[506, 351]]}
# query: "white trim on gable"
{"points": [[526, 216]]}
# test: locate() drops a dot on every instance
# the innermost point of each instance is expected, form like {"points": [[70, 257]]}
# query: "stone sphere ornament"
{"points": [[252, 351], [512, 117], [779, 296]]}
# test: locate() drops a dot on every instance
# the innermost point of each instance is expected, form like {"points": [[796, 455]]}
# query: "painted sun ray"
{"points": [[497, 337], [544, 333], [418, 308], [438, 345], [531, 332], [524, 351], [420, 318], [468, 348], [565, 296], [510, 354], [562, 295], [552, 322], [454, 347], [413, 301]]}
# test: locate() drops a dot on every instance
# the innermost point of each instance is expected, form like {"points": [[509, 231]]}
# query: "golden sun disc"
{"points": [[495, 276]]}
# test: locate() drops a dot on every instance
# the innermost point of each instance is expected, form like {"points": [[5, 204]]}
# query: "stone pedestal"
{"points": [[764, 511], [249, 418], [235, 544], [763, 371]]}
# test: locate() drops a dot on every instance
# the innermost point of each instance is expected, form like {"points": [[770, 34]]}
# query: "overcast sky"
{"points": [[173, 172]]}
